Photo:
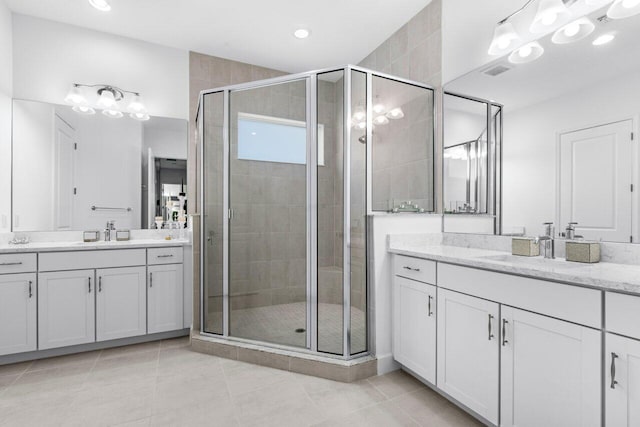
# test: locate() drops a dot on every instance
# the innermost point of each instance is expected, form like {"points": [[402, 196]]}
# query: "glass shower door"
{"points": [[269, 152]]}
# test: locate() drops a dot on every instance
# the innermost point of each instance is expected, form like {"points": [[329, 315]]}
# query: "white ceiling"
{"points": [[562, 69], [254, 31]]}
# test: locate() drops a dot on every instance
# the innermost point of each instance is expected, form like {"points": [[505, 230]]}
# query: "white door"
{"points": [[66, 308], [550, 373], [595, 181], [18, 313], [165, 298], [414, 326], [151, 189], [622, 381], [121, 303], [64, 170], [468, 351]]}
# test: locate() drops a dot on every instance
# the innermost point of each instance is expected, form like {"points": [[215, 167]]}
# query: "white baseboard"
{"points": [[386, 364]]}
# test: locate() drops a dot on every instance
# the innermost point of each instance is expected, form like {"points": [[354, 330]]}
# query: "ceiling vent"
{"points": [[604, 19], [496, 70]]}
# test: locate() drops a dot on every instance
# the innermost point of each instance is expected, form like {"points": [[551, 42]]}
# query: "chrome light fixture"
{"points": [[108, 101], [573, 31], [527, 53], [623, 9]]}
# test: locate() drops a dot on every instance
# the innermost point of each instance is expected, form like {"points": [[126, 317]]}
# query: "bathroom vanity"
{"points": [[65, 297], [519, 341]]}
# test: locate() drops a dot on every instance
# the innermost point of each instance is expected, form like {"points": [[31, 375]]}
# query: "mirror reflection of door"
{"points": [[64, 146], [170, 185], [596, 172]]}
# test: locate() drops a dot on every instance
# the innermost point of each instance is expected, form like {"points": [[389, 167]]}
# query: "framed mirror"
{"points": [[570, 117], [76, 172]]}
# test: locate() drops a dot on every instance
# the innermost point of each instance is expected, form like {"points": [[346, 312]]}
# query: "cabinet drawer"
{"points": [[422, 270], [157, 256], [79, 260], [572, 303], [18, 263], [622, 314]]}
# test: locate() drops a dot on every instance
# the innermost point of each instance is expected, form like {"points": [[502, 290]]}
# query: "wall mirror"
{"points": [[568, 122], [76, 172]]}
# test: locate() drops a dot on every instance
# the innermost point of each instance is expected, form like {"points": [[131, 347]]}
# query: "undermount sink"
{"points": [[533, 261]]}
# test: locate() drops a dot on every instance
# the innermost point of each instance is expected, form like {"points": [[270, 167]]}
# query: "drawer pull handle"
{"points": [[504, 332], [430, 312], [151, 280], [89, 284], [406, 267], [613, 370], [165, 256], [490, 326], [99, 283], [30, 289], [3, 264]]}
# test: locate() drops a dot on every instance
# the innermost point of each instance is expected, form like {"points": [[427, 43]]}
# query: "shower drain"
{"points": [[300, 330]]}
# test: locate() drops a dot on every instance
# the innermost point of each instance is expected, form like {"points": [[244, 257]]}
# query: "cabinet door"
{"points": [[622, 381], [121, 303], [18, 313], [550, 371], [468, 351], [66, 308], [165, 298], [414, 326]]}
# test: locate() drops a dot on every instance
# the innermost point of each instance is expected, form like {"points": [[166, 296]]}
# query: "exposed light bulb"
{"points": [[604, 39], [101, 5], [572, 29]]}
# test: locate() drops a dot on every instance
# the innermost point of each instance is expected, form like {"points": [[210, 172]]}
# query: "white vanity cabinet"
{"points": [[18, 313], [550, 371], [414, 326], [468, 351], [165, 297], [622, 381], [66, 308], [121, 303]]}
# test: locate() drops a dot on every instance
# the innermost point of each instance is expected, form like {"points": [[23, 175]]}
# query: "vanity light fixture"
{"points": [[551, 13], [598, 2], [379, 108], [623, 9], [381, 120], [573, 31], [527, 53], [108, 99], [301, 33], [604, 39], [101, 5], [505, 38]]}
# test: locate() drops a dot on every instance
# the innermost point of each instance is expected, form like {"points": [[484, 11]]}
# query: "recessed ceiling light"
{"points": [[102, 5], [301, 33], [604, 39]]}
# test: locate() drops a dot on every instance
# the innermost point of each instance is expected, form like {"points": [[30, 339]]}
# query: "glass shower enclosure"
{"points": [[285, 192]]}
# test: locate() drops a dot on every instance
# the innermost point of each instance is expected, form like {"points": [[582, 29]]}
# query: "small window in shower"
{"points": [[273, 139]]}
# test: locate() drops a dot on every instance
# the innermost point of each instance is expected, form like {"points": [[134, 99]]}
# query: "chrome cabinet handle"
{"points": [[613, 370], [89, 284], [99, 283], [406, 267], [490, 326], [165, 256], [430, 312], [10, 263], [504, 332], [30, 289], [151, 280]]}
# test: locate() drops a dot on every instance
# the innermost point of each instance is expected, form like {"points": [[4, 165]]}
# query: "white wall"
{"points": [[530, 149], [383, 225], [6, 92], [168, 142], [49, 57]]}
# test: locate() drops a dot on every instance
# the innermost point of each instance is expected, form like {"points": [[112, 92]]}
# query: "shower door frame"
{"points": [[311, 78]]}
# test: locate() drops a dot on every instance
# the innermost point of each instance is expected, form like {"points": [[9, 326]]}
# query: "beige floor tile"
{"points": [[40, 408], [116, 373], [14, 368], [380, 415], [247, 378], [175, 343], [87, 358], [142, 422], [68, 378], [176, 392], [153, 346], [210, 414], [395, 383]]}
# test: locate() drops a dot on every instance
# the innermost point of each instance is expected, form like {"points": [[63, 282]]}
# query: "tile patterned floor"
{"points": [[166, 384]]}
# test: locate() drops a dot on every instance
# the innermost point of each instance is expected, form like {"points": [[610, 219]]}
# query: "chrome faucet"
{"points": [[570, 231], [111, 226], [549, 241]]}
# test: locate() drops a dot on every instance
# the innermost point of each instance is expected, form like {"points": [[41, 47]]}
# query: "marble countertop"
{"points": [[82, 246], [602, 275]]}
